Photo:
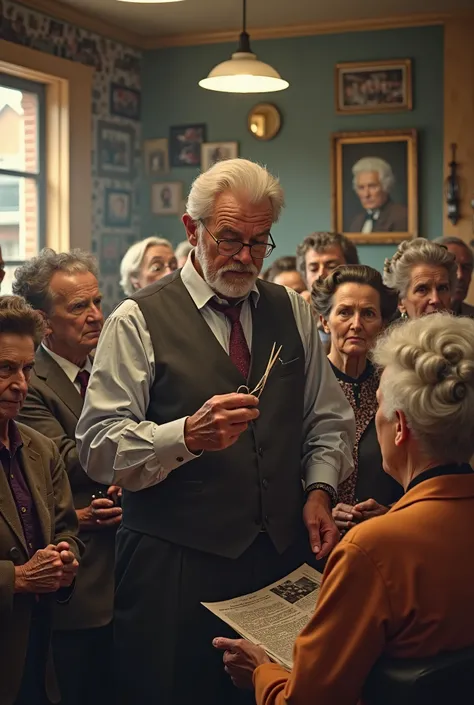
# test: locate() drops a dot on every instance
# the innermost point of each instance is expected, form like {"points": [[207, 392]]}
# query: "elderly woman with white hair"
{"points": [[383, 593], [424, 274], [145, 262], [373, 181]]}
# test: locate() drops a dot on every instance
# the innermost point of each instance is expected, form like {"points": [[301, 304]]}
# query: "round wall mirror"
{"points": [[264, 121]]}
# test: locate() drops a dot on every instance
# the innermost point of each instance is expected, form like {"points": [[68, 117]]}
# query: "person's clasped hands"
{"points": [[48, 570], [347, 516], [102, 512]]}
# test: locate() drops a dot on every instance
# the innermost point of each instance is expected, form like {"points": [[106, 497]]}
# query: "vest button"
{"points": [[264, 483], [266, 519], [260, 451]]}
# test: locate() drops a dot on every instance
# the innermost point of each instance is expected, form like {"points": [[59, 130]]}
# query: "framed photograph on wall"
{"points": [[125, 102], [167, 198], [375, 185], [109, 253], [115, 150], [373, 86], [212, 152], [118, 208], [185, 144], [155, 153]]}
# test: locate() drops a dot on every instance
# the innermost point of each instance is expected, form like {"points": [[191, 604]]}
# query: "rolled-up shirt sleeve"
{"points": [[116, 443], [329, 425]]}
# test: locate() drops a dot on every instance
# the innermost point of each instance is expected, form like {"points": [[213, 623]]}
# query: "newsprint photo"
{"points": [[274, 616]]}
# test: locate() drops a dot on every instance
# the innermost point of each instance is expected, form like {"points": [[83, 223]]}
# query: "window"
{"points": [[22, 172]]}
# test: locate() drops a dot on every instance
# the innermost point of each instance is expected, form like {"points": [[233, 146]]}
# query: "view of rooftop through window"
{"points": [[20, 173]]}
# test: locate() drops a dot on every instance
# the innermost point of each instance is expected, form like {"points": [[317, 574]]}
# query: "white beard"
{"points": [[225, 285]]}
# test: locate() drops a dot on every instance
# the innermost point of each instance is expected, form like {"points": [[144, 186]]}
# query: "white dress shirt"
{"points": [[69, 368], [118, 445]]}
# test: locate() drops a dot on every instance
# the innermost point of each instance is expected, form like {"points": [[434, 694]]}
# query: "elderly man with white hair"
{"points": [[213, 505], [373, 181], [145, 262]]}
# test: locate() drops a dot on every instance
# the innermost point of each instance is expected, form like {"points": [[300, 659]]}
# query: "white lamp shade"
{"points": [[243, 73]]}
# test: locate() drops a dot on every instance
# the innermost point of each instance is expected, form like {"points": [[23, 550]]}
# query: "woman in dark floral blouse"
{"points": [[354, 306]]}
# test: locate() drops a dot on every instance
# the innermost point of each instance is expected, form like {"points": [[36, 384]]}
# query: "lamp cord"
{"points": [[244, 18]]}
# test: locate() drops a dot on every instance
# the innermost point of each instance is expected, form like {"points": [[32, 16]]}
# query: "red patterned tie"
{"points": [[83, 378], [239, 352]]}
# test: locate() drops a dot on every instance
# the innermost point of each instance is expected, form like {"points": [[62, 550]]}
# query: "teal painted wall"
{"points": [[300, 155]]}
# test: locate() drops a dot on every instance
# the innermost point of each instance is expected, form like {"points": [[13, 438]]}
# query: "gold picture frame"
{"points": [[373, 87], [375, 178]]}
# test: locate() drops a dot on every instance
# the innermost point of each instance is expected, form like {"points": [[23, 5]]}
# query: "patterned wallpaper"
{"points": [[116, 120]]}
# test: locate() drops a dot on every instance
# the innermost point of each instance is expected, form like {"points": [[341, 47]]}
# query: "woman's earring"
{"points": [[404, 316]]}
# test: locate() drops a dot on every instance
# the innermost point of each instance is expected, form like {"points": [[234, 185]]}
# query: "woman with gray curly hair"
{"points": [[424, 274], [383, 593]]}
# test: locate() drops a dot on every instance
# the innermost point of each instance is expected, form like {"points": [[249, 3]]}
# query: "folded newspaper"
{"points": [[273, 616]]}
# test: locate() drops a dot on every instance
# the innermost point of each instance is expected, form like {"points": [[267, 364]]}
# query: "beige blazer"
{"points": [[49, 486], [399, 585]]}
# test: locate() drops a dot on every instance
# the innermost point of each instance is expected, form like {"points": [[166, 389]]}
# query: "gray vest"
{"points": [[220, 501]]}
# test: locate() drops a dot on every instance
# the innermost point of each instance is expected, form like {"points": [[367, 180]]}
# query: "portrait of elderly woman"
{"points": [[423, 274], [354, 307], [375, 184], [39, 549], [425, 428], [145, 262]]}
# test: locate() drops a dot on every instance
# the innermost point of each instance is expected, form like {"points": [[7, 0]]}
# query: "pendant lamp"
{"points": [[244, 73]]}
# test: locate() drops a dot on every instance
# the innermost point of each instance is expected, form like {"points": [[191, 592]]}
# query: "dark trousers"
{"points": [[163, 651], [83, 663], [32, 689]]}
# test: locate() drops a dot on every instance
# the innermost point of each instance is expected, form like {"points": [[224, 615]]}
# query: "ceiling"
{"points": [[204, 16]]}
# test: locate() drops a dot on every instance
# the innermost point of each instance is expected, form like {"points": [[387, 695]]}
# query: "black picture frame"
{"points": [[124, 102], [115, 150], [116, 201], [185, 144]]}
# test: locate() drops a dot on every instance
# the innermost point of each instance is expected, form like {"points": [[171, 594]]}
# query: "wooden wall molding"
{"points": [[304, 30], [68, 140], [57, 10], [87, 21]]}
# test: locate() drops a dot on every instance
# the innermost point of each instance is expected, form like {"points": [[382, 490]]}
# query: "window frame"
{"points": [[69, 145], [39, 177]]}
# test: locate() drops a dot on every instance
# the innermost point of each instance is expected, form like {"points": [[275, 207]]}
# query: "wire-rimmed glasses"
{"points": [[229, 247]]}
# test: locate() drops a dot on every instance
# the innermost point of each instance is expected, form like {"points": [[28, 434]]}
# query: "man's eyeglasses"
{"points": [[229, 248]]}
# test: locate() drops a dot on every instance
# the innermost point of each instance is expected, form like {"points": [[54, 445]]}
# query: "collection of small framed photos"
{"points": [[360, 88], [186, 146]]}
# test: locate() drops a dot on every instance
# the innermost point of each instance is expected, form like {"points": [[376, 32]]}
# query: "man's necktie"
{"points": [[83, 378], [371, 219], [239, 352]]}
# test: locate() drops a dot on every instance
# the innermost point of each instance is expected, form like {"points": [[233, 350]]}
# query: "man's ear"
{"points": [[48, 330], [191, 228], [324, 324]]}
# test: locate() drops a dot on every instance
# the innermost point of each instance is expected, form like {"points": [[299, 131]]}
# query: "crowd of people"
{"points": [[151, 464]]}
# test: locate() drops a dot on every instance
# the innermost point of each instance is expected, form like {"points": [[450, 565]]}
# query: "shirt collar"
{"points": [[14, 437], [69, 368], [200, 291]]}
